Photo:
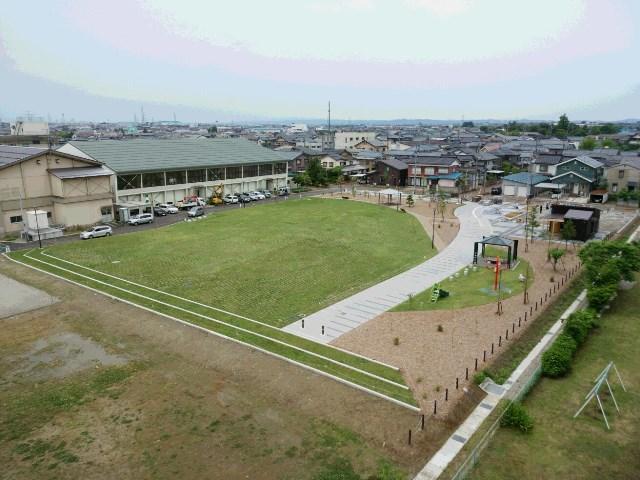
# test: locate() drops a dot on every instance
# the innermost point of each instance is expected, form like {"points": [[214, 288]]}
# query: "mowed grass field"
{"points": [[142, 269], [476, 288], [563, 447], [272, 263]]}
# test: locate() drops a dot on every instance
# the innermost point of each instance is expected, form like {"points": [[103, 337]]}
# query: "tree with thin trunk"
{"points": [[568, 232], [532, 222], [442, 204], [556, 255]]}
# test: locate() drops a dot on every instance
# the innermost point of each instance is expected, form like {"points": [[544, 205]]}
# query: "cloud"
{"points": [[442, 7]]}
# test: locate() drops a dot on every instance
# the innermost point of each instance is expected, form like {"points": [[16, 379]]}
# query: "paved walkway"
{"points": [[339, 318]]}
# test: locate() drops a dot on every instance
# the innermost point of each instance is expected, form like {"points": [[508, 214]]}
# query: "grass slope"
{"points": [[474, 289], [582, 448], [271, 263]]}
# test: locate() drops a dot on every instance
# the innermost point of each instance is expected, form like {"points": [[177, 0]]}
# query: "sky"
{"points": [[245, 60]]}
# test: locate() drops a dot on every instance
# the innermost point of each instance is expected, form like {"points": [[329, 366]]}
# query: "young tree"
{"points": [[461, 185], [316, 172], [410, 201], [442, 204], [556, 254], [532, 222], [568, 232]]}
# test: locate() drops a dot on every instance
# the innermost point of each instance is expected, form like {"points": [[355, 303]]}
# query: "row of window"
{"points": [[181, 177], [428, 170], [18, 218]]}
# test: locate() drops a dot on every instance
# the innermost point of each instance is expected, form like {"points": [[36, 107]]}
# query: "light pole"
{"points": [[433, 227]]}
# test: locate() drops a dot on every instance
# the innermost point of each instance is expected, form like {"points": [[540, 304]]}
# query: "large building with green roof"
{"points": [[157, 171]]}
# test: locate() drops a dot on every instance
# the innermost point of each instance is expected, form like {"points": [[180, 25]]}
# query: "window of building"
{"points": [[249, 171], [430, 170], [214, 174], [49, 215], [177, 177], [129, 182], [105, 210], [16, 219], [265, 169], [620, 173], [280, 167], [543, 168], [234, 172], [614, 187], [155, 179], [443, 170], [197, 176]]}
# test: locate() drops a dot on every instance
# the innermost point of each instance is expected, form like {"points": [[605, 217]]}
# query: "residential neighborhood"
{"points": [[319, 240]]}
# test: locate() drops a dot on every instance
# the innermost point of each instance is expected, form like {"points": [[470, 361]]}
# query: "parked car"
{"points": [[160, 212], [266, 193], [97, 231], [257, 195], [228, 198], [496, 190], [192, 201], [169, 207], [283, 191], [140, 219], [244, 198], [195, 212]]}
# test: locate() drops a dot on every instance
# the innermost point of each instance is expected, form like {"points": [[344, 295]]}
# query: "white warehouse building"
{"points": [[149, 171]]}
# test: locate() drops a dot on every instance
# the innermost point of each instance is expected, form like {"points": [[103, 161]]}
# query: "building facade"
{"points": [[149, 172], [71, 190]]}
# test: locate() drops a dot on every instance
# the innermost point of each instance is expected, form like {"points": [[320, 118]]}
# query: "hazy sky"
{"points": [[382, 59]]}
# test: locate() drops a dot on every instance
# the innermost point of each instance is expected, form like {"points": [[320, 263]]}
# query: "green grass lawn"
{"points": [[467, 291], [136, 256], [271, 263], [562, 447]]}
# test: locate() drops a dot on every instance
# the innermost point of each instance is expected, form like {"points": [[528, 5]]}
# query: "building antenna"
{"points": [[141, 114], [329, 117]]}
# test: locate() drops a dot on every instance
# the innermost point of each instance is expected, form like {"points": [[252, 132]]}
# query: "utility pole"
{"points": [[433, 226], [37, 227]]}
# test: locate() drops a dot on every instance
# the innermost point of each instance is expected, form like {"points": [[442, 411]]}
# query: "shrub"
{"points": [[579, 324], [440, 329], [517, 416], [556, 362], [600, 296]]}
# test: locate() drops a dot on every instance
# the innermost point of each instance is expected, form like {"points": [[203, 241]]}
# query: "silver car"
{"points": [[97, 231]]}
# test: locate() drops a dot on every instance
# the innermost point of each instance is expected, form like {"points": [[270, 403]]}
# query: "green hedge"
{"points": [[579, 324], [556, 362], [600, 296]]}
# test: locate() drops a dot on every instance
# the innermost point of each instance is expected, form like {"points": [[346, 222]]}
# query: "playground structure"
{"points": [[497, 241], [216, 197]]}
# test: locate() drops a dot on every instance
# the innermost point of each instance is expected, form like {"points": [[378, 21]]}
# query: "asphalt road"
{"points": [[119, 229]]}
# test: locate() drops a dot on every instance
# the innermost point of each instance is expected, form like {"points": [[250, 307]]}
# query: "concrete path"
{"points": [[339, 318], [16, 297]]}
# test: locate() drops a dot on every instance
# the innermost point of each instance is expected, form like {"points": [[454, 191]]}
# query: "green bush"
{"points": [[600, 296], [579, 324], [517, 416], [479, 377], [556, 362]]}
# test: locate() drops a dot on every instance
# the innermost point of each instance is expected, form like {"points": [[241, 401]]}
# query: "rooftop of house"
{"points": [[526, 178], [10, 154], [394, 163]]}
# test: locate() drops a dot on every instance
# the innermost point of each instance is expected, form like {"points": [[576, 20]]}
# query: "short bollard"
{"points": [[500, 341], [484, 356], [491, 348], [513, 328], [303, 323], [435, 407], [322, 329], [456, 383], [506, 334], [422, 425], [466, 374], [476, 365], [409, 436], [446, 394], [525, 316], [519, 322]]}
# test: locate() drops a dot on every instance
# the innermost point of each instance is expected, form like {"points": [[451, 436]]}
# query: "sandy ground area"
{"points": [[431, 359], [196, 406]]}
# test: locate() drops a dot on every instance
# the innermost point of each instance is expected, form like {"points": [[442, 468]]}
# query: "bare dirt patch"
{"points": [[435, 348], [185, 404]]}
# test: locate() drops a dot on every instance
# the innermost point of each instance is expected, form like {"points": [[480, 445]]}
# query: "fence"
{"points": [[520, 386]]}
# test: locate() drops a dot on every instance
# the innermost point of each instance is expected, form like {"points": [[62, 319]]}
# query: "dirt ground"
{"points": [[432, 359], [188, 405]]}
